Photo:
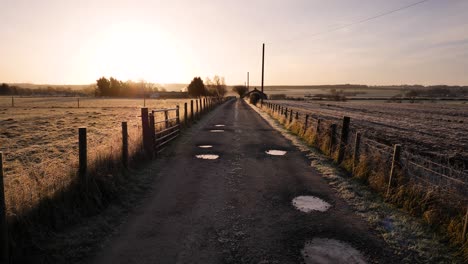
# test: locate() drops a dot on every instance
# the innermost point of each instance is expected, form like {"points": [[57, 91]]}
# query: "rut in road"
{"points": [[236, 208]]}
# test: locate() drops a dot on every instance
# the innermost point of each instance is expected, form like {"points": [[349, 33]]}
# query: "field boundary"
{"points": [[92, 186], [436, 192]]}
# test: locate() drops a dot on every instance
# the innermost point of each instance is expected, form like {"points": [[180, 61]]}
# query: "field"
{"points": [[39, 139], [436, 130], [301, 91]]}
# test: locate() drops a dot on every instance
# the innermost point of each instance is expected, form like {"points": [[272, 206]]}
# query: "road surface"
{"points": [[237, 208]]}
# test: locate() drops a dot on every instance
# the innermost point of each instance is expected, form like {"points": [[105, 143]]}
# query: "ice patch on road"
{"points": [[275, 152], [205, 146], [308, 204], [217, 131], [207, 156], [325, 251], [219, 125]]}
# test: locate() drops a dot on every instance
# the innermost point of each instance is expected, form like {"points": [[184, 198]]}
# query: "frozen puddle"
{"points": [[217, 131], [219, 125], [207, 156], [205, 146], [308, 204], [325, 251], [275, 152]]}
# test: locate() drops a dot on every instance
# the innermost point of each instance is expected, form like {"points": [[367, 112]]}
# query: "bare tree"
{"points": [[216, 87]]}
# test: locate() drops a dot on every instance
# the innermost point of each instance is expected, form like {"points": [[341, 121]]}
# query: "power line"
{"points": [[366, 19]]}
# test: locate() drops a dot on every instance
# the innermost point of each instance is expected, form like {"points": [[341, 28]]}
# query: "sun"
{"points": [[134, 51]]}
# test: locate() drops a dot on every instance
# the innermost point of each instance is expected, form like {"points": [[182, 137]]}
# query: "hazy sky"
{"points": [[76, 42]]}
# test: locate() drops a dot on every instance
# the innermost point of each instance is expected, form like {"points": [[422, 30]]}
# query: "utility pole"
{"points": [[263, 63], [248, 81]]}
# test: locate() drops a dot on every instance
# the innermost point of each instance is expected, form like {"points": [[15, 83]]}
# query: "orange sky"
{"points": [[76, 42]]}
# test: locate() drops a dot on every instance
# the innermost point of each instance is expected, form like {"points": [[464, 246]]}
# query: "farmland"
{"points": [[430, 129], [39, 138]]}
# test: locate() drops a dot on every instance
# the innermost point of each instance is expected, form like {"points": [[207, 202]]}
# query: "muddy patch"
{"points": [[207, 156], [275, 152], [324, 251], [308, 204]]}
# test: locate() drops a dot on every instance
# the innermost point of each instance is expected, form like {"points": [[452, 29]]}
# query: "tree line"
{"points": [[211, 87], [6, 89], [115, 88]]}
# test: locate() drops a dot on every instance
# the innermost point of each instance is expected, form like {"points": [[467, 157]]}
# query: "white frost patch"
{"points": [[205, 146], [207, 156], [325, 251], [275, 152], [219, 125], [308, 204], [217, 131]]}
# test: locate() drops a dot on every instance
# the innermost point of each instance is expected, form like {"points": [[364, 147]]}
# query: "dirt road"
{"points": [[237, 208]]}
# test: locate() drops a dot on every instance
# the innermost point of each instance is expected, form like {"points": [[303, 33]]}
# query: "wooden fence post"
{"points": [[78, 102], [3, 223], [146, 132], [332, 138], [177, 116], [306, 123], [191, 111], [185, 115], [152, 129], [290, 116], [343, 138], [198, 111], [357, 145], [395, 163], [124, 144], [166, 119], [83, 155], [12, 101], [297, 115], [317, 130]]}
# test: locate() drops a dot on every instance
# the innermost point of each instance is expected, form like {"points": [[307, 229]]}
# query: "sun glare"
{"points": [[132, 51]]}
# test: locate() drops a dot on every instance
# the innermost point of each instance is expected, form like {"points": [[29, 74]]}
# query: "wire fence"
{"points": [[380, 153]]}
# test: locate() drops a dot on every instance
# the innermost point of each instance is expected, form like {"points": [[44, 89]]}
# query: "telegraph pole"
{"points": [[263, 63]]}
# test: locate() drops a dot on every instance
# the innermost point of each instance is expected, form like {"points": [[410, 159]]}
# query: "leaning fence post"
{"points": [[3, 223], [146, 131], [343, 138], [83, 155], [357, 144], [124, 145], [395, 163], [332, 138]]}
